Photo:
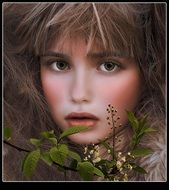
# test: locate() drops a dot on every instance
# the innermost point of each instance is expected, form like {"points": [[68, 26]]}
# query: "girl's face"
{"points": [[79, 86]]}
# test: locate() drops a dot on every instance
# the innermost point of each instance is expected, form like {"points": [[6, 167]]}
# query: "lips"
{"points": [[85, 119]]}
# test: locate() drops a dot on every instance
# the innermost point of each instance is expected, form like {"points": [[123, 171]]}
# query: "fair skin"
{"points": [[75, 81]]}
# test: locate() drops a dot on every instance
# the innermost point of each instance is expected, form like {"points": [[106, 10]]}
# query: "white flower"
{"points": [[118, 164], [108, 151], [125, 177], [92, 151], [123, 159], [96, 153], [85, 150], [130, 166], [96, 147], [119, 154], [96, 160]]}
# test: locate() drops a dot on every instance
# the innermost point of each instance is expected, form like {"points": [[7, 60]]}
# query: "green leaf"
{"points": [[36, 142], [98, 172], [30, 162], [73, 164], [106, 163], [45, 156], [7, 133], [143, 121], [136, 140], [141, 152], [138, 168], [133, 120], [63, 148], [111, 163], [53, 140], [58, 155], [85, 170], [108, 147], [74, 155], [142, 132], [73, 130], [149, 130], [142, 127], [48, 134]]}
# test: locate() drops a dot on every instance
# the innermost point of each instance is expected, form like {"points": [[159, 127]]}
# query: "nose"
{"points": [[80, 88]]}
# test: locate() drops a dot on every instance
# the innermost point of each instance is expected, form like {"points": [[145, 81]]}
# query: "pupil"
{"points": [[109, 66], [61, 65]]}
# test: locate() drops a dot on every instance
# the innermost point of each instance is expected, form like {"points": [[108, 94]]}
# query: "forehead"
{"points": [[75, 45], [78, 46]]}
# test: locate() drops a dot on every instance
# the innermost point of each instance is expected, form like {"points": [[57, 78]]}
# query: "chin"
{"points": [[83, 139]]}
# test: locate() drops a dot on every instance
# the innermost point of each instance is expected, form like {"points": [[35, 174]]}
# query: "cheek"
{"points": [[53, 90], [122, 93], [125, 93]]}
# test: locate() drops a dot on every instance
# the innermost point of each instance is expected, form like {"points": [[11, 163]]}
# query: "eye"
{"points": [[60, 66], [108, 66]]}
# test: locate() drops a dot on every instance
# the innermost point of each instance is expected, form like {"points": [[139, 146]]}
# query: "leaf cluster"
{"points": [[140, 128], [59, 154]]}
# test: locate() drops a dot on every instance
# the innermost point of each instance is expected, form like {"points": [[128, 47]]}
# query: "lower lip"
{"points": [[84, 122]]}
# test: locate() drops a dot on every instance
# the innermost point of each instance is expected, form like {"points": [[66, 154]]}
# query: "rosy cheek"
{"points": [[52, 89], [125, 95], [122, 93]]}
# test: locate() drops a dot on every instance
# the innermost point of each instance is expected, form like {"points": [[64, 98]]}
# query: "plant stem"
{"points": [[16, 147], [113, 125], [25, 150]]}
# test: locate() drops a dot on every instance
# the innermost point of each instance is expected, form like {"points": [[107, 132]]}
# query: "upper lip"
{"points": [[82, 115]]}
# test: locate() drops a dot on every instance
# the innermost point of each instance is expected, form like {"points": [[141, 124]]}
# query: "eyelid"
{"points": [[113, 61], [107, 60], [48, 60], [56, 68]]}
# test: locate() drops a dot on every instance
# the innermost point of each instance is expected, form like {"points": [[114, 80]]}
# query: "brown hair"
{"points": [[135, 29]]}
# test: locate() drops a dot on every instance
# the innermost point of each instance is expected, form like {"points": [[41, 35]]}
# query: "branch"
{"points": [[25, 150], [16, 147]]}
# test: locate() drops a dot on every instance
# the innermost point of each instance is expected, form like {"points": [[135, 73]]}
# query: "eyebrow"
{"points": [[56, 54], [102, 54], [106, 54]]}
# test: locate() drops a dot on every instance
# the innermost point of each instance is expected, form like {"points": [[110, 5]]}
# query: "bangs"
{"points": [[113, 27]]}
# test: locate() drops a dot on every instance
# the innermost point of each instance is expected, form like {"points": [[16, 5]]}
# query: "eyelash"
{"points": [[100, 68], [111, 63], [54, 67]]}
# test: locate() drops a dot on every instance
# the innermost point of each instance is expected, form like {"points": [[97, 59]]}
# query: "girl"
{"points": [[65, 62]]}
